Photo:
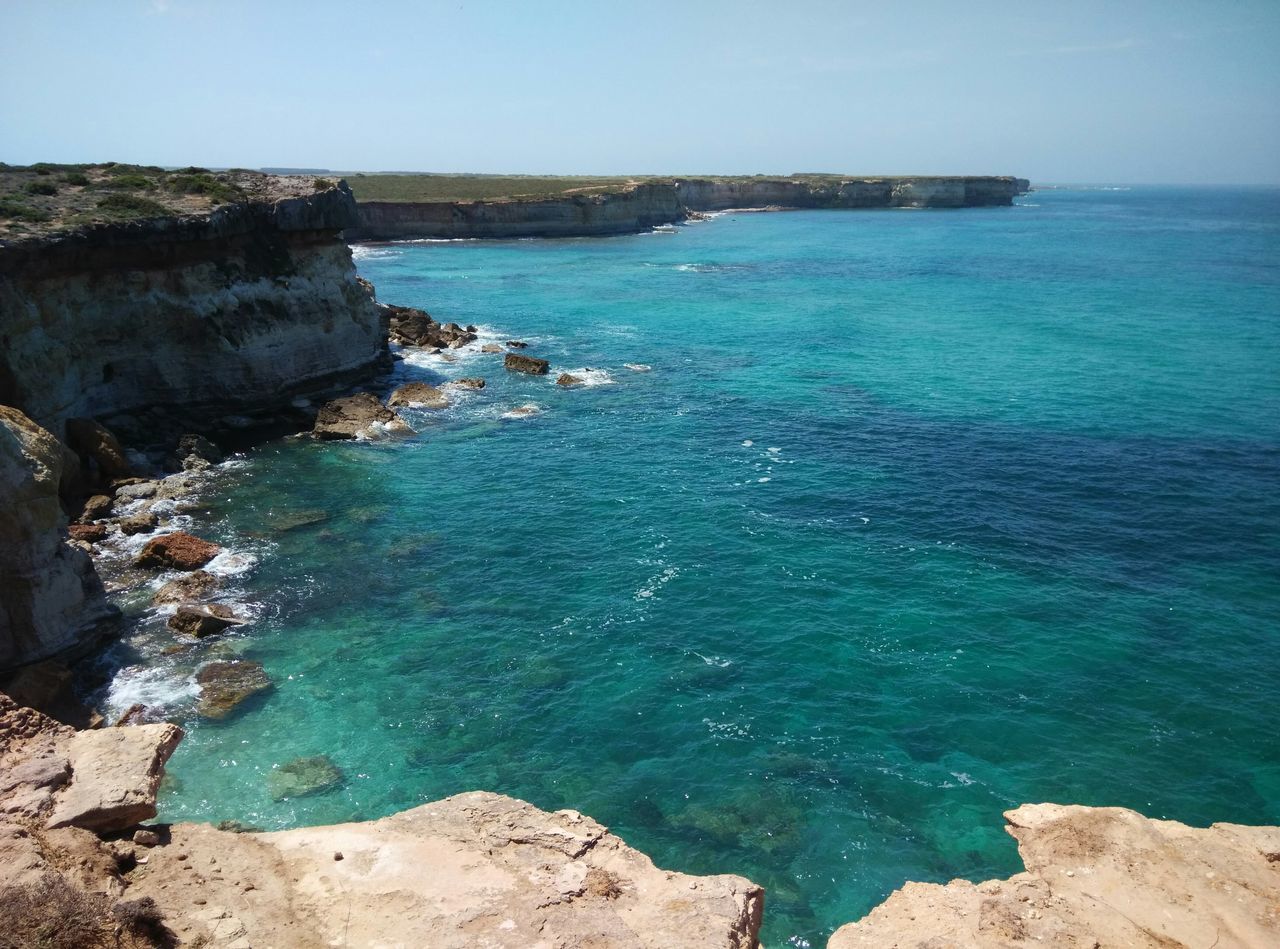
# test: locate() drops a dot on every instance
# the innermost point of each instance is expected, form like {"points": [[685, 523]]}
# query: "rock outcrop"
{"points": [[644, 205], [51, 600], [476, 869], [1097, 876], [529, 364], [351, 417], [177, 551], [201, 323]]}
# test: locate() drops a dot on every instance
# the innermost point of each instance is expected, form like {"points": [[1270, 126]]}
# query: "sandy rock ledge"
{"points": [[1097, 877]]}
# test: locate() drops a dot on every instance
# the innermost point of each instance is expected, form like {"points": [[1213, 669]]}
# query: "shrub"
{"points": [[203, 183], [132, 206], [75, 178], [324, 184], [41, 187], [130, 182], [14, 210], [53, 914]]}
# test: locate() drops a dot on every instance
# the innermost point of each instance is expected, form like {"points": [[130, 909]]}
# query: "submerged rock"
{"points": [[350, 416], [202, 621], [568, 380], [467, 383], [420, 395], [518, 363], [225, 685], [293, 520], [194, 586], [303, 776], [177, 551]]}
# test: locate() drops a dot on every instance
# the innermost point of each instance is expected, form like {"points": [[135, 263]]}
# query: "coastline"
{"points": [[188, 846]]}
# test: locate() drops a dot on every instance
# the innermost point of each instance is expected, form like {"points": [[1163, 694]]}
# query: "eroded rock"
{"points": [[140, 523], [177, 551], [350, 416], [224, 686], [202, 621], [419, 395], [194, 586], [517, 362], [93, 442], [467, 383], [567, 380]]}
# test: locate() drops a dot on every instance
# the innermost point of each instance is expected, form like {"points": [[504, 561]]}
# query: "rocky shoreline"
{"points": [[108, 469], [646, 205]]}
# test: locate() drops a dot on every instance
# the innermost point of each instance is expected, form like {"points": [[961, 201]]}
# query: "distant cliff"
{"points": [[186, 323], [652, 203]]}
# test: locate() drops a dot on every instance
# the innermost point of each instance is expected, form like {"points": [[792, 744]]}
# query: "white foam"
{"points": [[747, 443], [528, 410], [638, 366], [373, 252], [588, 376], [153, 686], [231, 563]]}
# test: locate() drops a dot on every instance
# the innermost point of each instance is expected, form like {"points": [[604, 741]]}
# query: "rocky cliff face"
{"points": [[186, 323], [51, 599], [654, 203], [1097, 876]]}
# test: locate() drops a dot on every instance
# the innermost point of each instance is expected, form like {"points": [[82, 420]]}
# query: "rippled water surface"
{"points": [[918, 516]]}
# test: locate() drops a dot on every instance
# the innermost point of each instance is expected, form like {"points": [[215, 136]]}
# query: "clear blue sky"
{"points": [[1123, 91]]}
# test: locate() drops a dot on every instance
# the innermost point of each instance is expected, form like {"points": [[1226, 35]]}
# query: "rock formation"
{"points": [[200, 323], [472, 870], [177, 551], [649, 204], [51, 599], [1097, 876], [419, 394], [518, 363], [351, 416]]}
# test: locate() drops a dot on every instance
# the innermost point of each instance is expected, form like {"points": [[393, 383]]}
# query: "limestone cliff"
{"points": [[189, 322], [644, 205], [1097, 876], [51, 599]]}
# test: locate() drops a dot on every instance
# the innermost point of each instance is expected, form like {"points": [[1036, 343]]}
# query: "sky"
{"points": [[1122, 92]]}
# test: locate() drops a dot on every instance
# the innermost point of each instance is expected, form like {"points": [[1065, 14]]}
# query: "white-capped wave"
{"points": [[154, 686], [588, 376]]}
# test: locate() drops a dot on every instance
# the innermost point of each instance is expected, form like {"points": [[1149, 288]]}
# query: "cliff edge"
{"points": [[1097, 877]]}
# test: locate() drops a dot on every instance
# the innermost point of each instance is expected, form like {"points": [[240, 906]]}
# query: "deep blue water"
{"points": [[918, 516]]}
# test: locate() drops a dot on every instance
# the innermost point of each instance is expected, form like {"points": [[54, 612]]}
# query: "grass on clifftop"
{"points": [[424, 188]]}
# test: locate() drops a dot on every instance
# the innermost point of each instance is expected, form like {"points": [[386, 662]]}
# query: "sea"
{"points": [[865, 528]]}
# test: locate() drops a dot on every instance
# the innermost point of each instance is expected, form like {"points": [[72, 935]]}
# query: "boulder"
{"points": [[95, 507], [197, 446], [115, 773], [516, 344], [92, 442], [136, 490], [1096, 876], [304, 776], [350, 416], [202, 621], [467, 383], [412, 327], [567, 380], [89, 533], [194, 586], [225, 685], [138, 523], [518, 363], [490, 348], [419, 395], [177, 551], [51, 599]]}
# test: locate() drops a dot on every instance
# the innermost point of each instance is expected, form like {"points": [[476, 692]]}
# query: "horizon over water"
{"points": [[918, 516]]}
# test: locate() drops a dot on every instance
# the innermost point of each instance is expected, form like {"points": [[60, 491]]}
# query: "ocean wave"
{"points": [[361, 252], [155, 686], [588, 376]]}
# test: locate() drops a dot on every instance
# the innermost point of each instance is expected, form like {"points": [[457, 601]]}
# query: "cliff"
{"points": [[639, 206], [188, 322], [476, 869], [1097, 876]]}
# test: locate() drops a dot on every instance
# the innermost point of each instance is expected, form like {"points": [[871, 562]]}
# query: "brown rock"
{"points": [[95, 507], [567, 380], [420, 395], [468, 383], [138, 523], [349, 416], [202, 621], [225, 685], [490, 348], [193, 586], [518, 363], [177, 551], [135, 714], [516, 344], [91, 441], [115, 775], [1096, 876], [146, 838], [89, 533]]}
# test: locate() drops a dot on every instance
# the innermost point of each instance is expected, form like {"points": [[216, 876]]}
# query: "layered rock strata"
{"points": [[1097, 876], [195, 323], [642, 206], [476, 869]]}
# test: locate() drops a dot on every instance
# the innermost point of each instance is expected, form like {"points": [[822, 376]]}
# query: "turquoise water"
{"points": [[918, 516]]}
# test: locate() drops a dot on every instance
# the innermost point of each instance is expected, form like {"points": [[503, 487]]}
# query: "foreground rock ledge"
{"points": [[1097, 877], [476, 869]]}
